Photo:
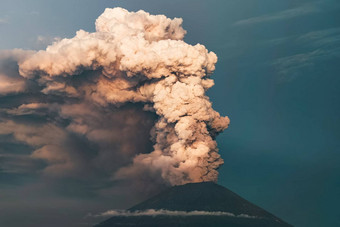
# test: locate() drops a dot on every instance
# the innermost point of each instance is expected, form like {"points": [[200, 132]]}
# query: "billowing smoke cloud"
{"points": [[127, 101], [152, 212]]}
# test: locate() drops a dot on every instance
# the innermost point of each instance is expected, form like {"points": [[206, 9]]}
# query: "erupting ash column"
{"points": [[141, 58]]}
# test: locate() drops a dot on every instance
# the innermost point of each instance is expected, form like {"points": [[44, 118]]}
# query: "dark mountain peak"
{"points": [[204, 196]]}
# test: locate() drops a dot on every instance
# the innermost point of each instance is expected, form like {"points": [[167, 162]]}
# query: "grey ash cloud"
{"points": [[123, 105]]}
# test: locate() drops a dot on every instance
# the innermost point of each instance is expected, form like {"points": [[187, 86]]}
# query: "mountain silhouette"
{"points": [[221, 207]]}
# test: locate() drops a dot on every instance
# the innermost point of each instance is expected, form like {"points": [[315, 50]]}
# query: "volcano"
{"points": [[195, 204]]}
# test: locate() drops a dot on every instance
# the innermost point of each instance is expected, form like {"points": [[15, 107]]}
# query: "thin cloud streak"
{"points": [[319, 46], [152, 212], [315, 38], [282, 15], [290, 67], [322, 37]]}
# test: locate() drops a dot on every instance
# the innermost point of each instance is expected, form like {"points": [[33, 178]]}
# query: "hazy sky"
{"points": [[277, 79]]}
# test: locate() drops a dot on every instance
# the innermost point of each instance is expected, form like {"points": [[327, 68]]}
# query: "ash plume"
{"points": [[132, 91]]}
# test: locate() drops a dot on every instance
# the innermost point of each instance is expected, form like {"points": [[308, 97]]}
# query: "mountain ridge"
{"points": [[204, 196]]}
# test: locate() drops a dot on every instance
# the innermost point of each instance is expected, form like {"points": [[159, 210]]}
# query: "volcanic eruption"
{"points": [[133, 60], [127, 103]]}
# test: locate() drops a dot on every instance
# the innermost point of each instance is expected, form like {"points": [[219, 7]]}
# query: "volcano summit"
{"points": [[194, 204]]}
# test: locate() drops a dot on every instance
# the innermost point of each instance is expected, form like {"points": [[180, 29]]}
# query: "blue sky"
{"points": [[277, 79]]}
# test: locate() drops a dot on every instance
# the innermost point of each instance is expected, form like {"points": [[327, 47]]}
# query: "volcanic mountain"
{"points": [[195, 204]]}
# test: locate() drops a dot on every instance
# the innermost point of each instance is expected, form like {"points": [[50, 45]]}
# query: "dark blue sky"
{"points": [[277, 79]]}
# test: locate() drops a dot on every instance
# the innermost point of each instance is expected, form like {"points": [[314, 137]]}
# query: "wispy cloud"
{"points": [[318, 39], [290, 67], [281, 15], [298, 61], [310, 50], [321, 37], [152, 212]]}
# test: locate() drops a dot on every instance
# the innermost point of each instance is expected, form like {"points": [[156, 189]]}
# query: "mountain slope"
{"points": [[205, 196]]}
